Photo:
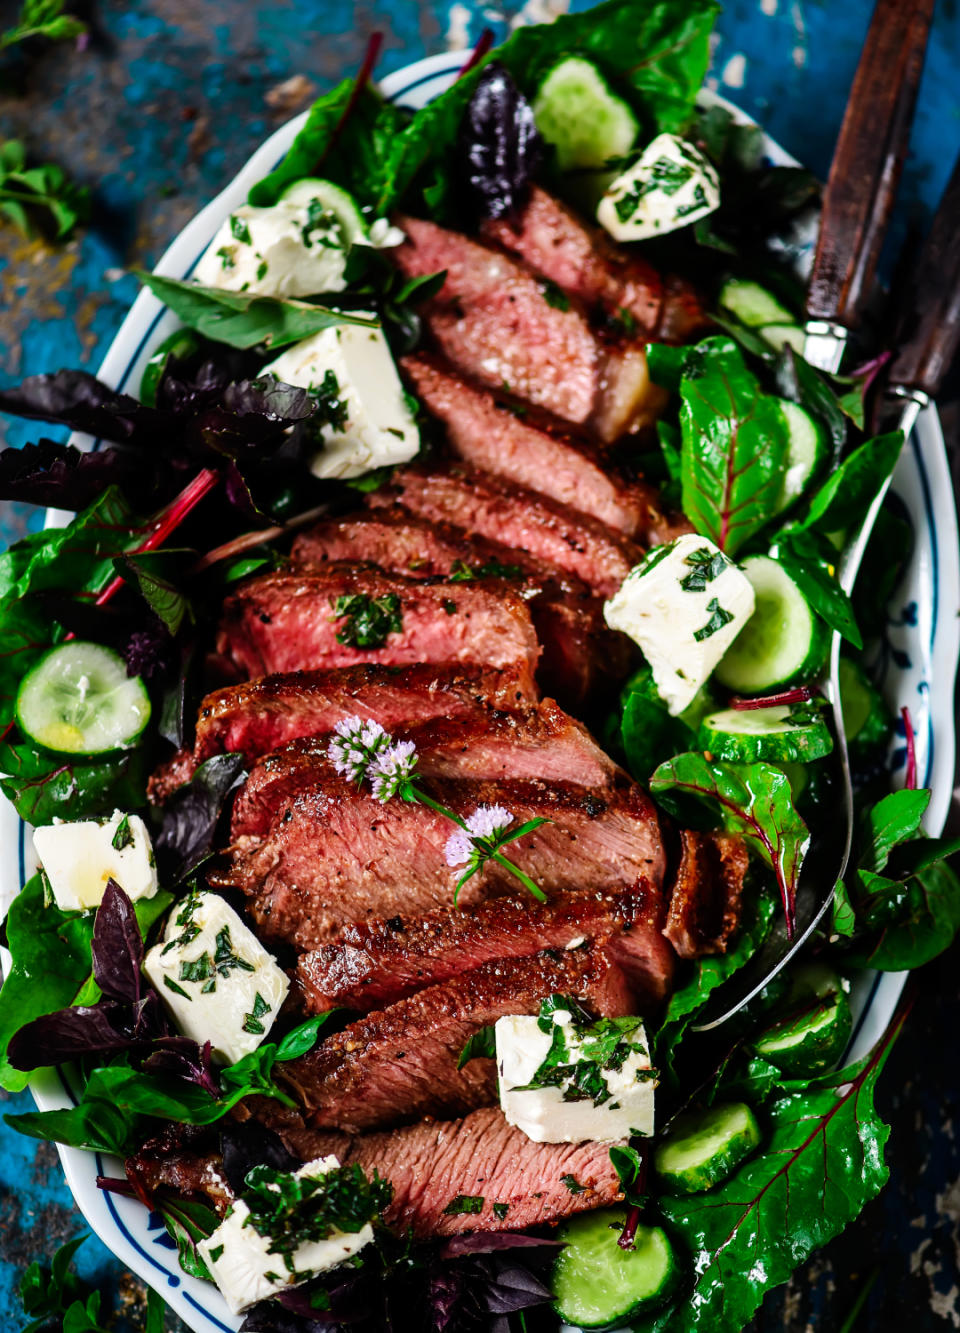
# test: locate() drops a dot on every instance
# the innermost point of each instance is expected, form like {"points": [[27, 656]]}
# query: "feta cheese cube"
{"points": [[542, 1113], [216, 978], [355, 364], [242, 1266], [79, 857], [684, 606], [671, 185]]}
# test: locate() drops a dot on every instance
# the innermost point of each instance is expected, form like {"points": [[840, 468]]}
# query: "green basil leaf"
{"points": [[816, 578], [894, 819], [40, 784], [925, 923], [845, 497], [482, 1045], [303, 1038], [244, 319]]}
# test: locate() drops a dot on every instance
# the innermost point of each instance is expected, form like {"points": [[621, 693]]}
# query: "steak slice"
{"points": [[484, 430], [333, 855], [541, 743], [377, 962], [705, 899], [481, 1156], [566, 616], [263, 715], [587, 264], [286, 622], [492, 319], [493, 507], [400, 1063]]}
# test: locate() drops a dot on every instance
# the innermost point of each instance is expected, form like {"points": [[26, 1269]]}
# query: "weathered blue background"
{"points": [[156, 114]]}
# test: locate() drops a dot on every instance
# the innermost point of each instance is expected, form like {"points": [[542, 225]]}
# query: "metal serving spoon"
{"points": [[857, 204]]}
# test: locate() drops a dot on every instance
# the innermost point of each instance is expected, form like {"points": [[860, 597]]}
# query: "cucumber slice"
{"points": [[782, 734], [703, 1148], [867, 721], [331, 199], [782, 643], [180, 345], [78, 699], [595, 1284], [752, 304], [811, 1037], [577, 113], [807, 451], [783, 335]]}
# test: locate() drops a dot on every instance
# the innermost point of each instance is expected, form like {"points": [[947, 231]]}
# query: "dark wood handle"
{"points": [[868, 159], [928, 332]]}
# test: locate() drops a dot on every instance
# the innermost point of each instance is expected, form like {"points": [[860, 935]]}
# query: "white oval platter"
{"points": [[918, 670]]}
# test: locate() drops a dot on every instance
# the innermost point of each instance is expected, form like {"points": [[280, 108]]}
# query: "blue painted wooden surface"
{"points": [[156, 115]]}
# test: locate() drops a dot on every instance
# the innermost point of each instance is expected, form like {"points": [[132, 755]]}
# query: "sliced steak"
{"points": [[566, 616], [484, 430], [480, 1156], [400, 1063], [287, 622], [265, 714], [333, 855], [377, 962], [705, 899], [492, 319], [587, 264], [540, 743], [495, 508]]}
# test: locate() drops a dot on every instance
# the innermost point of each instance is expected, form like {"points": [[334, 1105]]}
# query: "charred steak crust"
{"points": [[706, 896], [499, 509], [400, 1062], [377, 962], [482, 1156], [287, 622], [264, 714]]}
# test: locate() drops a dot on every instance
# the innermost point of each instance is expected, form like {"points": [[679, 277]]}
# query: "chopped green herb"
{"points": [[331, 407], [460, 572], [573, 1185], [207, 969], [369, 619], [718, 618], [601, 1044], [482, 1045], [252, 1022], [500, 1210], [239, 230], [699, 201], [706, 568], [185, 918], [225, 254], [178, 990], [322, 226], [262, 270], [554, 296], [216, 1253], [449, 606], [464, 1203], [122, 837]]}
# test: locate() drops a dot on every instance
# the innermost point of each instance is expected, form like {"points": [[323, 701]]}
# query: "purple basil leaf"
{"points": [[149, 650], [444, 1296], [182, 1058], [499, 145], [245, 1146], [191, 815], [47, 473], [117, 946], [479, 1242], [514, 1288], [79, 400], [70, 1033]]}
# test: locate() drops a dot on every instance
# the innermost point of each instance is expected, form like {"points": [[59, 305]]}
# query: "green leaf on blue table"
{"points": [[734, 446], [59, 1298], [822, 1161], [157, 1308], [43, 18], [843, 500], [38, 200], [754, 800], [244, 319]]}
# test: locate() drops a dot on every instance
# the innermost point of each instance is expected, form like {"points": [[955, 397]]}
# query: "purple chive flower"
{"points": [[356, 743], [485, 822], [391, 769]]}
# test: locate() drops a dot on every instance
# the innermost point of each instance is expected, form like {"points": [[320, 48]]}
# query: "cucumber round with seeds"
{"points": [[597, 1285], [702, 1148], [781, 734], [78, 699], [575, 111], [810, 1037], [783, 643], [807, 451], [332, 199], [867, 721]]}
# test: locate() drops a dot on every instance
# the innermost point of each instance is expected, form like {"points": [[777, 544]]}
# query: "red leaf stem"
{"points": [[479, 51], [796, 696], [360, 82], [629, 1229], [910, 780]]}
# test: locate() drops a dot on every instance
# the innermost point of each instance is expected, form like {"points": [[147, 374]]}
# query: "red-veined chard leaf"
{"points": [[734, 446], [823, 1160], [753, 800]]}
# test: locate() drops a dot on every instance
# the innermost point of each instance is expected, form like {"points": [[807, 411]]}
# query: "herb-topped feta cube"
{"points": [[368, 422], [297, 247], [671, 185], [286, 1228], [567, 1078], [684, 606], [79, 857], [216, 978]]}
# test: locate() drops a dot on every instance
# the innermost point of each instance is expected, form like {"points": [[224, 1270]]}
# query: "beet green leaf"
{"points": [[734, 446]]}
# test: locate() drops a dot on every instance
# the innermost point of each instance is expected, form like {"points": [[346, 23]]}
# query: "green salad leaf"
{"points": [[59, 1296], [734, 446], [43, 18], [41, 784], [822, 1161], [754, 800], [39, 199], [843, 500], [244, 319], [810, 561]]}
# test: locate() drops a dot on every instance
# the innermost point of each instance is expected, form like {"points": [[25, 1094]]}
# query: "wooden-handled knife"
{"points": [[864, 175]]}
